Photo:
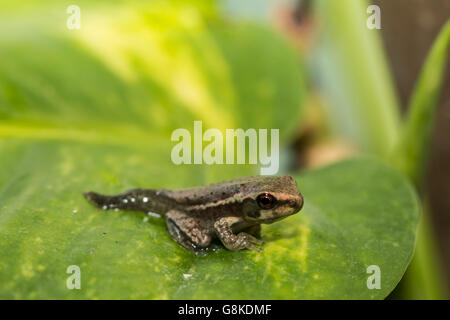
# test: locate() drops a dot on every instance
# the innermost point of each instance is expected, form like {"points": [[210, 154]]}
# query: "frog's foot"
{"points": [[234, 242], [245, 240], [185, 230]]}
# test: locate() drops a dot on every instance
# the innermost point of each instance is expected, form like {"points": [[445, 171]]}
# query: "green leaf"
{"points": [[156, 66], [357, 213], [94, 111], [412, 152], [348, 223]]}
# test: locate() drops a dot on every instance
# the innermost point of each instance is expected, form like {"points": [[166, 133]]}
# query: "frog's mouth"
{"points": [[272, 220]]}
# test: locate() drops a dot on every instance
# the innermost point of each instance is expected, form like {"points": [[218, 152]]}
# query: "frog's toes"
{"points": [[248, 241], [252, 239], [258, 242], [251, 246]]}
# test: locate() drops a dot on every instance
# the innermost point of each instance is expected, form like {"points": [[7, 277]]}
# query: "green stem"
{"points": [[424, 278], [412, 153]]}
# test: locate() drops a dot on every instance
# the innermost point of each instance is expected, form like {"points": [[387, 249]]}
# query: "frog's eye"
{"points": [[266, 201]]}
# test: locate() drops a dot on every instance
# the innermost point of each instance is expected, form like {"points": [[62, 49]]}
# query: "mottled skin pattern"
{"points": [[231, 211]]}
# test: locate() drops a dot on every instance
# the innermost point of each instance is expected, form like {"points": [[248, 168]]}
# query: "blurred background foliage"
{"points": [[334, 82], [355, 85]]}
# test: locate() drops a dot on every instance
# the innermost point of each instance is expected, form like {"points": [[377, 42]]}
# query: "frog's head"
{"points": [[272, 199]]}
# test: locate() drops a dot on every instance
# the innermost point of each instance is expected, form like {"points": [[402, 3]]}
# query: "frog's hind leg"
{"points": [[186, 231]]}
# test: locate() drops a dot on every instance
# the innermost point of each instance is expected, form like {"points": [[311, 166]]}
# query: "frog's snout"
{"points": [[297, 203]]}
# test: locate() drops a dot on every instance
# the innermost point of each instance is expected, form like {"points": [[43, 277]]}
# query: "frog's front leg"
{"points": [[224, 231], [186, 231]]}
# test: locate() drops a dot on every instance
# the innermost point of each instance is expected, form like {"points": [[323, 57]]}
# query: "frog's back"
{"points": [[228, 189], [205, 194]]}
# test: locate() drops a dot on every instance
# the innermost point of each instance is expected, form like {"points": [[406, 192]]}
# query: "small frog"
{"points": [[231, 211]]}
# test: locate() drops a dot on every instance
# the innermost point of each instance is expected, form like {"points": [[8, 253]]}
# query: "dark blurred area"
{"points": [[409, 28]]}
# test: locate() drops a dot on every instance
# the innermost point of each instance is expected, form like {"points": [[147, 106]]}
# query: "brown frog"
{"points": [[231, 211]]}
